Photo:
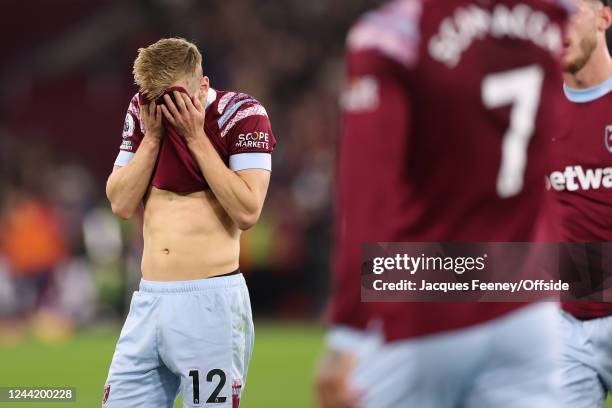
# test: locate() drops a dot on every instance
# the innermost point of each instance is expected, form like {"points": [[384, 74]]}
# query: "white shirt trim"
{"points": [[212, 96], [123, 158], [243, 161], [585, 95], [348, 339]]}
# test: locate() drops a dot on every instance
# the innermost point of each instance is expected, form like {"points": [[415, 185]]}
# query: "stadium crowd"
{"points": [[64, 94], [62, 253]]}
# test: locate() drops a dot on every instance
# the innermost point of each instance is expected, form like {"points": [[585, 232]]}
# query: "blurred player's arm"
{"points": [[127, 185], [241, 193], [376, 130], [376, 104], [344, 345]]}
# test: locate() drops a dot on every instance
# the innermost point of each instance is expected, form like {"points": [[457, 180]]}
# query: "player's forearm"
{"points": [[127, 186], [235, 195]]}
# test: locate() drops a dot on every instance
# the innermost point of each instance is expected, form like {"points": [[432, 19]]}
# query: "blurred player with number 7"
{"points": [[449, 108]]}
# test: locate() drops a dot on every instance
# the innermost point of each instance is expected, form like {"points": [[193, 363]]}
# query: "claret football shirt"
{"points": [[237, 125]]}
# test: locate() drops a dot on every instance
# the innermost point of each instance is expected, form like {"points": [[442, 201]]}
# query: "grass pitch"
{"points": [[280, 374]]}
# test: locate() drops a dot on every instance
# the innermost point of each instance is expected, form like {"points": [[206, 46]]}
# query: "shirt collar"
{"points": [[588, 94], [212, 96]]}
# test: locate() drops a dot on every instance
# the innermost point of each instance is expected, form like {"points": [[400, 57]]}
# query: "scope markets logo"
{"points": [[254, 140]]}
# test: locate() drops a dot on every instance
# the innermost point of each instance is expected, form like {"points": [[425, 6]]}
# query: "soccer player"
{"points": [[448, 113], [199, 160], [580, 183]]}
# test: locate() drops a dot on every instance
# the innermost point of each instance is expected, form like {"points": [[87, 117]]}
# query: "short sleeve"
{"points": [[250, 140], [132, 133]]}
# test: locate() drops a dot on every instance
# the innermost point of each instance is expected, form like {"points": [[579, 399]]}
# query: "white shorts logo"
{"points": [[128, 126]]}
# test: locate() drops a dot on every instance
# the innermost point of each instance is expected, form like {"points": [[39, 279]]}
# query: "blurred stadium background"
{"points": [[68, 266]]}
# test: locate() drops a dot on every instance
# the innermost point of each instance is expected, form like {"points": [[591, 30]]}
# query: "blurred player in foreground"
{"points": [[200, 161], [448, 112], [580, 182]]}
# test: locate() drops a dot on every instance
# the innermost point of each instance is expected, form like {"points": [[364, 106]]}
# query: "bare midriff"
{"points": [[187, 236]]}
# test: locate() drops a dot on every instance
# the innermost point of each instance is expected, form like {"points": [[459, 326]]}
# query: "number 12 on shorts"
{"points": [[213, 375]]}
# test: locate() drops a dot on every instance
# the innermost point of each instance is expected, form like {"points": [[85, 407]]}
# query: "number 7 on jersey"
{"points": [[520, 88]]}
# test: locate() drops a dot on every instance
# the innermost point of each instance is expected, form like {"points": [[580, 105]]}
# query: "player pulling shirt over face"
{"points": [[199, 160]]}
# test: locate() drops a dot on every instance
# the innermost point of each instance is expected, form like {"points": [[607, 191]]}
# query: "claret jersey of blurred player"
{"points": [[580, 179], [449, 108]]}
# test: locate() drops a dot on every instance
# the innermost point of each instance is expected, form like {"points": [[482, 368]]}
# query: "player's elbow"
{"points": [[122, 211], [245, 220], [119, 210], [119, 207]]}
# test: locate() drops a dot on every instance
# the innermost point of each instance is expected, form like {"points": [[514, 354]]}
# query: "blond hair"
{"points": [[161, 64]]}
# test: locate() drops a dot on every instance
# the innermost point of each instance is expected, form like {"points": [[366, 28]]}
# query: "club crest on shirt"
{"points": [[608, 140], [128, 126]]}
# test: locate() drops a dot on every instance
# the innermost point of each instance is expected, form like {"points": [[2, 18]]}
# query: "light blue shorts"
{"points": [[508, 362], [586, 361], [194, 336]]}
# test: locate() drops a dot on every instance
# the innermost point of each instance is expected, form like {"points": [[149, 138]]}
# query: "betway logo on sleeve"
{"points": [[575, 178]]}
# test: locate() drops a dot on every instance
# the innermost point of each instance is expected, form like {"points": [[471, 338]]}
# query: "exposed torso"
{"points": [[187, 233], [187, 236]]}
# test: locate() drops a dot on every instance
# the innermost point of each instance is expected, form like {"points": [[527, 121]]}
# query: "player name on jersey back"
{"points": [[456, 33]]}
